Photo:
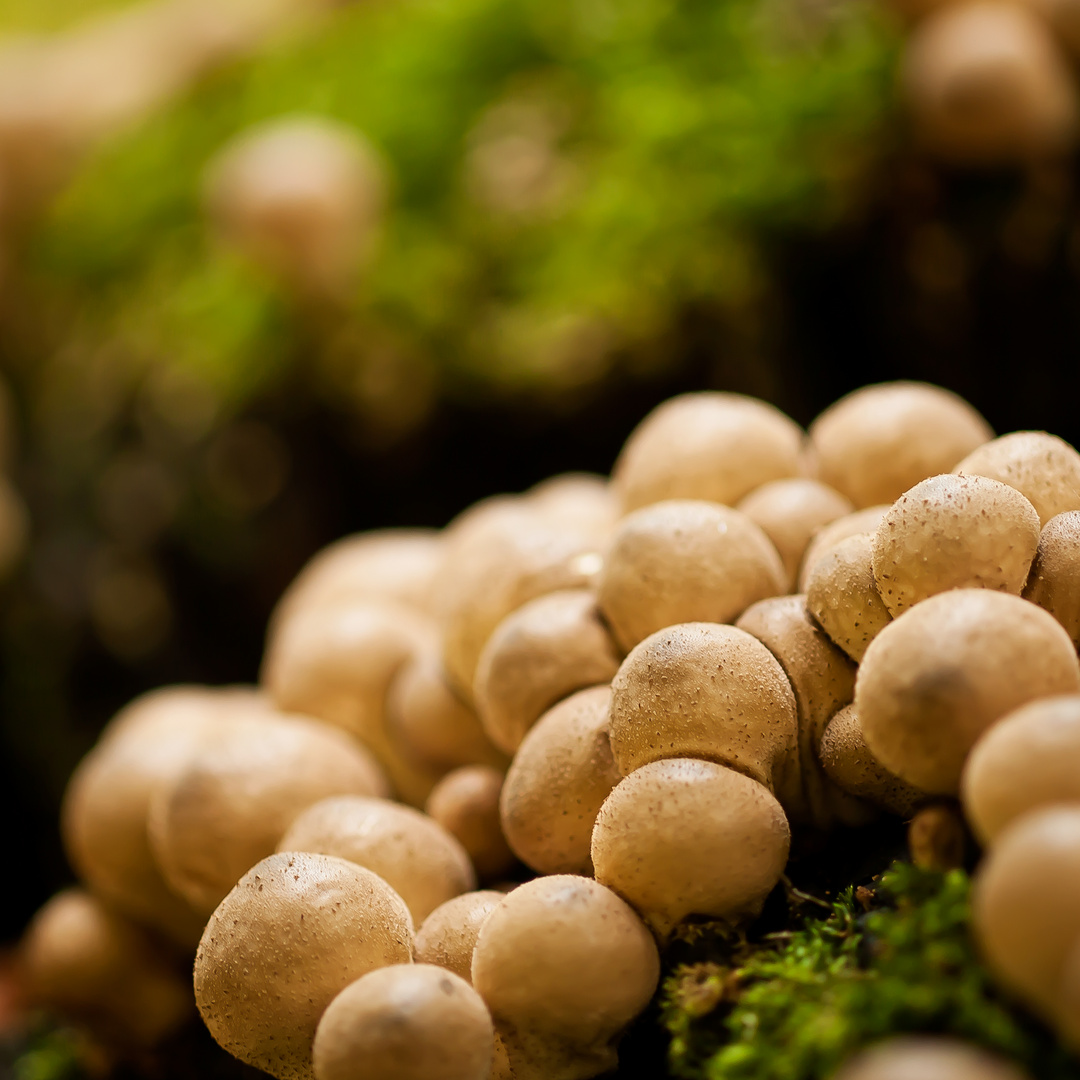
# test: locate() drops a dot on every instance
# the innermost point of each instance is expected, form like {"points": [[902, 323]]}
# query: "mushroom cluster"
{"points": [[612, 691]]}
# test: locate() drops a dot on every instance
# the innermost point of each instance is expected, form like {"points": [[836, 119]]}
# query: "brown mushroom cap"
{"points": [[986, 84], [862, 521], [1025, 761], [465, 803], [879, 441], [557, 782], [564, 965], [843, 596], [1024, 910], [405, 1022], [292, 934], [1054, 582], [924, 1057], [954, 532], [790, 512], [537, 656], [448, 935], [238, 794], [683, 837], [946, 670], [683, 561], [708, 445], [91, 964], [707, 691], [1067, 999], [413, 854]]}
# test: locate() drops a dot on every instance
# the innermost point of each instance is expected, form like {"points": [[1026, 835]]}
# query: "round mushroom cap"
{"points": [[232, 802], [706, 691], [949, 668], [564, 965], [879, 441], [292, 934], [684, 837], [96, 967], [405, 1022], [537, 656], [954, 532], [465, 803], [1024, 910], [708, 445], [843, 596], [1054, 582], [790, 512], [557, 782], [448, 935], [579, 499], [986, 84], [413, 854], [862, 521], [1027, 760], [927, 1057]]}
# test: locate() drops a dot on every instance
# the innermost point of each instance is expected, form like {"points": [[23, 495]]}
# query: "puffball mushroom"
{"points": [[235, 797], [986, 84], [949, 668], [685, 837], [564, 965], [707, 691], [557, 782], [88, 962], [465, 803], [405, 1022], [1054, 581], [448, 935], [790, 512], [580, 499], [537, 656], [954, 532], [709, 445], [685, 561], [292, 934], [862, 521], [879, 441], [413, 854], [927, 1057], [1025, 761]]}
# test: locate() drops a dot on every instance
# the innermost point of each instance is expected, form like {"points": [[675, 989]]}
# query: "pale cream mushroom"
{"points": [[863, 521], [578, 499], [928, 1057], [1054, 582], [448, 935], [465, 803]]}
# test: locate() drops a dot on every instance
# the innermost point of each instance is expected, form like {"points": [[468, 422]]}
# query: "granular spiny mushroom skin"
{"points": [[862, 521], [843, 596], [1067, 1000], [713, 446], [684, 837], [557, 782], [879, 441], [1054, 582], [954, 532], [790, 512], [927, 1057], [448, 935], [1042, 467], [685, 561], [413, 854], [293, 933], [1024, 911], [949, 668], [537, 656], [564, 965], [405, 1022], [465, 803], [1027, 760], [708, 691]]}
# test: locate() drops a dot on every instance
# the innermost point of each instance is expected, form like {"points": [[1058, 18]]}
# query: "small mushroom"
{"points": [[448, 935], [465, 803], [580, 499], [684, 561], [413, 854], [1054, 582], [564, 966], [557, 782], [954, 532], [879, 441], [949, 668], [292, 934], [928, 1057], [537, 656], [862, 521], [683, 837], [713, 446], [405, 1022]]}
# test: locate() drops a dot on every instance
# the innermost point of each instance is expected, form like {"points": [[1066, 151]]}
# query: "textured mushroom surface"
{"points": [[448, 935], [1054, 582]]}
